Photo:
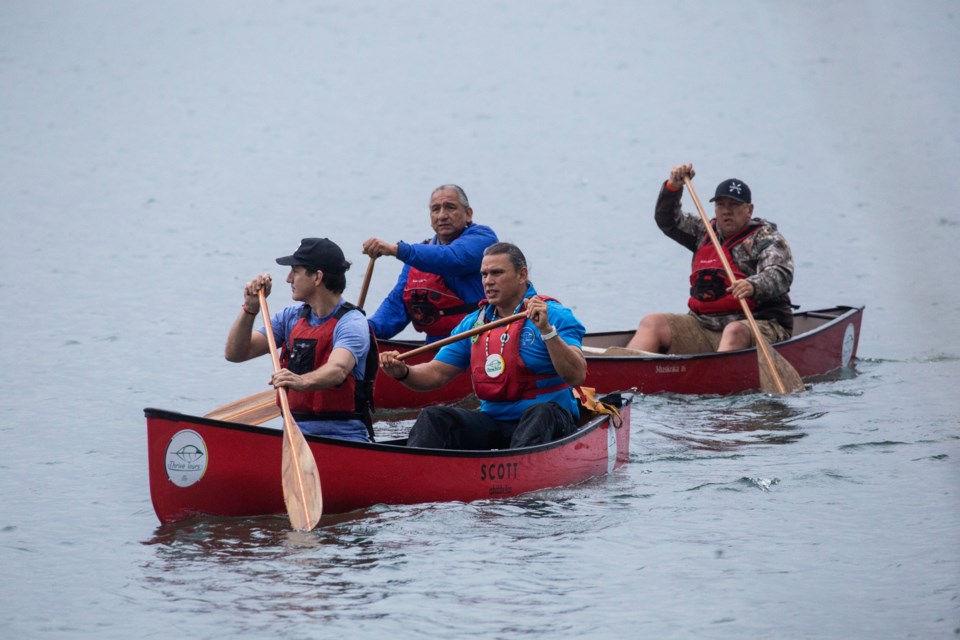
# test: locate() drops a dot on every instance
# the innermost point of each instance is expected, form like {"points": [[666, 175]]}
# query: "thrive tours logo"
{"points": [[186, 459], [849, 339]]}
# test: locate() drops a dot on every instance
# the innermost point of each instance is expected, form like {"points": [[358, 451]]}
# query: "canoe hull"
{"points": [[208, 467], [391, 394], [826, 341], [829, 346]]}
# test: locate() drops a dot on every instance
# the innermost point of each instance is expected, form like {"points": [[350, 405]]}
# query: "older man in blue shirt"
{"points": [[440, 282]]}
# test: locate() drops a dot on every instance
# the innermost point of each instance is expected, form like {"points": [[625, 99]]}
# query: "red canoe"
{"points": [[200, 466], [825, 340]]}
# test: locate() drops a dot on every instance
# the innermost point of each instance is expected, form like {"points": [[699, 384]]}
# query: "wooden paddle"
{"points": [[776, 374], [366, 282], [301, 479], [262, 407], [460, 336], [253, 410], [620, 351]]}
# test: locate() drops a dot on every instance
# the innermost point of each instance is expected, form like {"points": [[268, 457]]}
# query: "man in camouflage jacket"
{"points": [[759, 256]]}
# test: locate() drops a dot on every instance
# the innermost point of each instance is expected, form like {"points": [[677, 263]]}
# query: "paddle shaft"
{"points": [[284, 403], [295, 441], [762, 345], [366, 282], [460, 336], [262, 406]]}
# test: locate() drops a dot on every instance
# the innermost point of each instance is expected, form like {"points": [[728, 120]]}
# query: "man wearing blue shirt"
{"points": [[327, 366], [440, 281], [522, 372]]}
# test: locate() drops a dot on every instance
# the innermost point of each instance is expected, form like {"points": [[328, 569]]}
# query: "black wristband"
{"points": [[405, 374]]}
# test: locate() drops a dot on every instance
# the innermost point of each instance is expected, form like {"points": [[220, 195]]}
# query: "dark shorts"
{"points": [[444, 427]]}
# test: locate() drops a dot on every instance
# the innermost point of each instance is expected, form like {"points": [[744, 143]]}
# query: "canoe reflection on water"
{"points": [[749, 421], [215, 558]]}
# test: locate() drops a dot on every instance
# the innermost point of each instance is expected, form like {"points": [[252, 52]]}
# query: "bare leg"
{"points": [[736, 335], [653, 334]]}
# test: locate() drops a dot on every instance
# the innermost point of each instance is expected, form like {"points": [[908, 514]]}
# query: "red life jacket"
{"points": [[431, 305], [709, 281], [514, 380], [306, 350]]}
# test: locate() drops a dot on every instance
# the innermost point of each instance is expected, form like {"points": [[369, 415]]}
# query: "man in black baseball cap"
{"points": [[761, 261], [733, 189], [329, 356], [318, 254]]}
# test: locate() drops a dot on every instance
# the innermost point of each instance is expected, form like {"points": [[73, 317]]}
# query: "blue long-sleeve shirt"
{"points": [[458, 263]]}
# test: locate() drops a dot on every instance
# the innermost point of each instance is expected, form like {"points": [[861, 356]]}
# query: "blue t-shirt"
{"points": [[352, 334], [533, 352], [458, 263]]}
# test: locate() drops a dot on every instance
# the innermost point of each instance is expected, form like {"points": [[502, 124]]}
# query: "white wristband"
{"points": [[549, 334]]}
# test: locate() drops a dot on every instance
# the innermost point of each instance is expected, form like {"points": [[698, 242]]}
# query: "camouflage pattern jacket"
{"points": [[764, 258]]}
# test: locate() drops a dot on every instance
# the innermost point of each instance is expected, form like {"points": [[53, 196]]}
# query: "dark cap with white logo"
{"points": [[733, 189]]}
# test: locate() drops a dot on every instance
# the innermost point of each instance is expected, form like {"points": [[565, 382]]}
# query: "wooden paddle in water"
{"points": [[776, 374], [366, 282], [460, 336], [301, 479]]}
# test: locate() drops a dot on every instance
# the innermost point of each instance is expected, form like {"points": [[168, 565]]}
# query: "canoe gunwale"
{"points": [[618, 399], [845, 313]]}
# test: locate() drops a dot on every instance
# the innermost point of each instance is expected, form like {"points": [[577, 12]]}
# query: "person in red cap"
{"points": [[760, 259], [328, 356]]}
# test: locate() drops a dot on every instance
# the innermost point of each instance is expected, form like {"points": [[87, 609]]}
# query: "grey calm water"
{"points": [[157, 155]]}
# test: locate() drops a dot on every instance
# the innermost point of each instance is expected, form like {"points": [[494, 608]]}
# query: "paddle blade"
{"points": [[301, 481], [776, 374], [253, 410]]}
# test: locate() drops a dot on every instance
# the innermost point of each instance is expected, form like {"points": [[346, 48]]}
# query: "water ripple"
{"points": [[741, 484], [864, 445]]}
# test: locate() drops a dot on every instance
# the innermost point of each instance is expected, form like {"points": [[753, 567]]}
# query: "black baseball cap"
{"points": [[317, 254], [734, 189]]}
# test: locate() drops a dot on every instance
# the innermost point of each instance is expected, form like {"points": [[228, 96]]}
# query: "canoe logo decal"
{"points": [[848, 340], [186, 458], [499, 475], [499, 471], [611, 447], [670, 368]]}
